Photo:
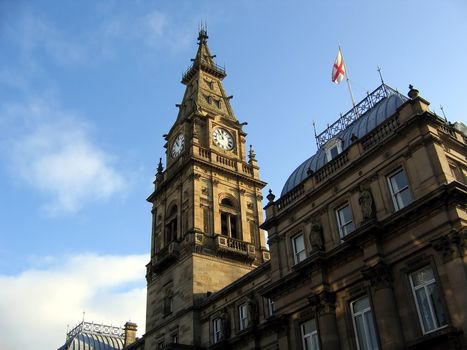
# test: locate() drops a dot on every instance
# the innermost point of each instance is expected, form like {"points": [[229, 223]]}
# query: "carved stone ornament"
{"points": [[316, 235], [225, 324], [253, 310], [451, 245], [367, 204], [323, 303], [378, 275]]}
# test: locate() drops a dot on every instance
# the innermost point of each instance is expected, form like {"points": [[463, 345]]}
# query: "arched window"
{"points": [[171, 225], [229, 219]]}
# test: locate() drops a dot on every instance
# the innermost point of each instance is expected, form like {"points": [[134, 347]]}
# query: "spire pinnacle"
{"points": [[203, 33]]}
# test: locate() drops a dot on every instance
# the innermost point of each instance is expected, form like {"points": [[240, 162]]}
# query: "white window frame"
{"points": [[431, 307], [343, 225], [312, 338], [364, 313], [334, 143], [243, 316], [298, 256], [395, 196], [216, 330]]}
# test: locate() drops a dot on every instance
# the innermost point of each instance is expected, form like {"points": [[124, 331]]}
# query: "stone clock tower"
{"points": [[206, 207]]}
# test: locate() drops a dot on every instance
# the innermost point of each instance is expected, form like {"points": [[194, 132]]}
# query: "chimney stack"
{"points": [[130, 333]]}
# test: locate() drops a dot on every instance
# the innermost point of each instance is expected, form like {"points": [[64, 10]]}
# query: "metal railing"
{"points": [[348, 118]]}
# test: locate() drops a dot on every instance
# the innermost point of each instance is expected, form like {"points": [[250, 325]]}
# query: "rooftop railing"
{"points": [[348, 118]]}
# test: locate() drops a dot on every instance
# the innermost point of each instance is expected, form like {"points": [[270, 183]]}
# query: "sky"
{"points": [[88, 88]]}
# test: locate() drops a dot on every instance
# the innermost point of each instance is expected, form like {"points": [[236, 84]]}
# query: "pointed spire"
{"points": [[203, 60]]}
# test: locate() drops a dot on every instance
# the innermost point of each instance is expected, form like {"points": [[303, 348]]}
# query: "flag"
{"points": [[338, 69]]}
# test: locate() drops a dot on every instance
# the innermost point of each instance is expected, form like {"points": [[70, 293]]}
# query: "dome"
{"points": [[89, 336], [373, 117]]}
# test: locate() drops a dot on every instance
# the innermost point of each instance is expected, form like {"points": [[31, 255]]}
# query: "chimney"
{"points": [[130, 333]]}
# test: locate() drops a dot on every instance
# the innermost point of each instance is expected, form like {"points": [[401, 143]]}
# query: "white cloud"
{"points": [[53, 153], [37, 305]]}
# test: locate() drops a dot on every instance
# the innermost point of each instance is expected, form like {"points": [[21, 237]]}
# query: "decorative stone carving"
{"points": [[225, 324], [451, 245], [367, 204], [323, 303], [316, 235], [379, 275], [253, 310]]}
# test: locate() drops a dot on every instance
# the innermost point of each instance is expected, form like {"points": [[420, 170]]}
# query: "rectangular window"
{"points": [[233, 227], [309, 335], [456, 172], [271, 308], [160, 345], [174, 338], [428, 300], [224, 227], [363, 323], [243, 316], [399, 187], [216, 330], [344, 220], [298, 243]]}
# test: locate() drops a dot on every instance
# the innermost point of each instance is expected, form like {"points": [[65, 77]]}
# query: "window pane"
{"points": [[373, 343], [423, 276], [299, 243], [224, 224], [310, 335], [361, 305], [435, 299], [360, 333], [425, 314], [334, 151], [399, 181]]}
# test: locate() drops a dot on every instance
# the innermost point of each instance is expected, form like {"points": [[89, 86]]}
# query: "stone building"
{"points": [[367, 239]]}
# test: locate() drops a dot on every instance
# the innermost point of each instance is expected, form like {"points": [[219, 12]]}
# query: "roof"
{"points": [[90, 336], [370, 119]]}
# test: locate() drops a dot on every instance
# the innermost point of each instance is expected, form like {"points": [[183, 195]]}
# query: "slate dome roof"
{"points": [[373, 117]]}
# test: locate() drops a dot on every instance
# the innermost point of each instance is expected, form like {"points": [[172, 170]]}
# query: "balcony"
{"points": [[227, 246]]}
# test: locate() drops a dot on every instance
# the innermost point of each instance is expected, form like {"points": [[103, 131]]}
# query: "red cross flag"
{"points": [[338, 69]]}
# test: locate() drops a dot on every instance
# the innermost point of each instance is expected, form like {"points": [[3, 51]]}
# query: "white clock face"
{"points": [[177, 145], [223, 139]]}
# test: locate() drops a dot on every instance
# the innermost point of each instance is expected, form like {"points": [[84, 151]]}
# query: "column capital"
{"points": [[379, 275]]}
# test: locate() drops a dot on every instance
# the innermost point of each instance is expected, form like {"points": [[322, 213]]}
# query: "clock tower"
{"points": [[206, 207]]}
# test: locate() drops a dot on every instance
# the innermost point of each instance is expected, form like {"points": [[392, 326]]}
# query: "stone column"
{"points": [[453, 248], [385, 308], [325, 309]]}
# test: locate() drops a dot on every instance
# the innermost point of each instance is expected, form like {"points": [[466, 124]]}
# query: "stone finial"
{"points": [[130, 332], [160, 167], [413, 93], [252, 154], [270, 196]]}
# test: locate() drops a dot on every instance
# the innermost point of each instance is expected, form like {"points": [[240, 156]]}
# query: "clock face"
{"points": [[223, 139], [177, 145]]}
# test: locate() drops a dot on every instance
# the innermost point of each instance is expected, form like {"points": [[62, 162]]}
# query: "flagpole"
{"points": [[348, 84]]}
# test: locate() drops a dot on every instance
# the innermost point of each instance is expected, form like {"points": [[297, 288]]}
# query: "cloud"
{"points": [[43, 301], [51, 151]]}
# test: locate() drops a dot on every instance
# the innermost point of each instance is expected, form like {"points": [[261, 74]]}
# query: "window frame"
{"points": [[340, 225], [314, 335], [366, 331], [334, 143], [216, 330], [395, 195], [243, 316], [297, 254], [431, 307]]}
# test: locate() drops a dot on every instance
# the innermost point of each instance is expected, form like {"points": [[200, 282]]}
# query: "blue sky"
{"points": [[88, 88]]}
